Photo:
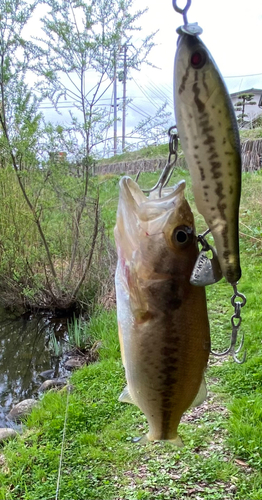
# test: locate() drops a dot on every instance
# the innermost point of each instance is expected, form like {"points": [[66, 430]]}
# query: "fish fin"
{"points": [[201, 395], [121, 342], [176, 442], [141, 440], [145, 440], [125, 397]]}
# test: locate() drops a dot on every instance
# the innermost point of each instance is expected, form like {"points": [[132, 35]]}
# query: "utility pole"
{"points": [[124, 101], [115, 108]]}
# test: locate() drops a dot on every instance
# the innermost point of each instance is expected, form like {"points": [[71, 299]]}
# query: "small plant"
{"points": [[78, 334], [55, 346]]}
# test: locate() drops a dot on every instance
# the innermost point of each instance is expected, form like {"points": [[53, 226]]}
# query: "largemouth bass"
{"points": [[209, 137], [162, 319]]}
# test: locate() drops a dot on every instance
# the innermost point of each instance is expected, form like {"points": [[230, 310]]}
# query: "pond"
{"points": [[24, 354]]}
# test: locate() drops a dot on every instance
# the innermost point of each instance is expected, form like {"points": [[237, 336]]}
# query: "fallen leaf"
{"points": [[241, 462]]}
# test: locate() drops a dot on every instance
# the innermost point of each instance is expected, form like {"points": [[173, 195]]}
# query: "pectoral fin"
{"points": [[201, 395], [121, 342], [125, 397]]}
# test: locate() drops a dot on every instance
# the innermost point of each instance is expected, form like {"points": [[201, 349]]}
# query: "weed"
{"points": [[55, 346], [78, 335], [222, 456]]}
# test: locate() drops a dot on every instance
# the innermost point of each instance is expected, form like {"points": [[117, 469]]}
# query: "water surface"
{"points": [[24, 354]]}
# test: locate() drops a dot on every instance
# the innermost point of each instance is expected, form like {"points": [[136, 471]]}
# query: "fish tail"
{"points": [[177, 441]]}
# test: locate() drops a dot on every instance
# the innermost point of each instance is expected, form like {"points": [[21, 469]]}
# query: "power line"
{"points": [[158, 92], [243, 76], [63, 105], [139, 111], [145, 93]]}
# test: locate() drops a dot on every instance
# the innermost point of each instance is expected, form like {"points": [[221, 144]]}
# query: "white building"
{"points": [[252, 111]]}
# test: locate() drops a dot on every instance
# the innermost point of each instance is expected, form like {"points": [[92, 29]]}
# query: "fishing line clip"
{"points": [[189, 28], [235, 322], [170, 165], [182, 11]]}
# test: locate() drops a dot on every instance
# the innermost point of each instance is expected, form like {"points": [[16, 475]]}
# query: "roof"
{"points": [[248, 91]]}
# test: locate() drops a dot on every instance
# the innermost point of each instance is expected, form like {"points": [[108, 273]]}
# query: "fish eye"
{"points": [[198, 59], [182, 235]]}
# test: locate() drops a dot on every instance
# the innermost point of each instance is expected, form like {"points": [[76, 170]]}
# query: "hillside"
{"points": [[162, 150]]}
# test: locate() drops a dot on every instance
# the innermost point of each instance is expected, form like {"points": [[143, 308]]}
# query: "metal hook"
{"points": [[137, 175], [169, 167], [231, 350], [203, 241], [235, 327], [182, 11]]}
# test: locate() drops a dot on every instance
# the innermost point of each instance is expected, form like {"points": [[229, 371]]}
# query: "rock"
{"points": [[74, 362], [49, 384], [7, 433], [21, 409], [46, 374]]}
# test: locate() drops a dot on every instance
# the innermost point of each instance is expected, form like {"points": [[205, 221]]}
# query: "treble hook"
{"points": [[235, 327], [182, 11], [169, 167]]}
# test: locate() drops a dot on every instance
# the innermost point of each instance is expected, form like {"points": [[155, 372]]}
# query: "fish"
{"points": [[162, 319], [208, 132]]}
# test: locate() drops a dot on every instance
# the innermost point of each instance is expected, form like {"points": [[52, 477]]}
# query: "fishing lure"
{"points": [[208, 132], [209, 136]]}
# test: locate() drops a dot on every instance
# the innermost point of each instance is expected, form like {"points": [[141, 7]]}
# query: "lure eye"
{"points": [[198, 59], [182, 235]]}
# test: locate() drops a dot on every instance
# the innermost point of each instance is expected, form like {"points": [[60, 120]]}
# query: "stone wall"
{"points": [[251, 160], [251, 155], [132, 167]]}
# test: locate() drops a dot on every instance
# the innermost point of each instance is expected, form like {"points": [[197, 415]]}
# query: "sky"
{"points": [[232, 31]]}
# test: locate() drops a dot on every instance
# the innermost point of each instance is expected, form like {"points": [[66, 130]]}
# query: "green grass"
{"points": [[162, 150], [78, 334], [148, 152], [222, 456], [255, 133]]}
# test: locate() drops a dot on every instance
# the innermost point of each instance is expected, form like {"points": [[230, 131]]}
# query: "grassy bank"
{"points": [[157, 151], [222, 456], [162, 150], [54, 254]]}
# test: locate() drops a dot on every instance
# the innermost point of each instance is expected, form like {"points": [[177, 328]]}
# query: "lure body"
{"points": [[162, 319], [209, 137]]}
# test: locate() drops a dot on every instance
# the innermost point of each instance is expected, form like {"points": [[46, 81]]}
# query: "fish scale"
{"points": [[162, 318], [209, 137]]}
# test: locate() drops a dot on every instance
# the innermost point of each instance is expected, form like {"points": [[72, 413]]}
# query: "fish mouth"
{"points": [[130, 190], [149, 208], [149, 222], [130, 187]]}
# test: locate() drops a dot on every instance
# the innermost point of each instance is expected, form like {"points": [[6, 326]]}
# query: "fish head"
{"points": [[156, 234], [196, 74]]}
